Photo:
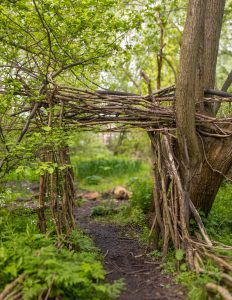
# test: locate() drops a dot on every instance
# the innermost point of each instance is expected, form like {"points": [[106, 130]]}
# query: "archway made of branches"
{"points": [[67, 107]]}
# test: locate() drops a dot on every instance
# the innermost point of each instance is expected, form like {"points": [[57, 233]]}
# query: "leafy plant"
{"points": [[141, 193], [155, 254], [102, 210], [73, 271], [179, 254], [123, 216], [94, 179]]}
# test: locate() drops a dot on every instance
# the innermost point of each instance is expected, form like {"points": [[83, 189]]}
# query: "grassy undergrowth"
{"points": [[219, 222], [132, 212], [105, 172], [73, 271]]}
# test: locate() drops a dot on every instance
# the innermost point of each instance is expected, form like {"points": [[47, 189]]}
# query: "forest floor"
{"points": [[126, 258]]}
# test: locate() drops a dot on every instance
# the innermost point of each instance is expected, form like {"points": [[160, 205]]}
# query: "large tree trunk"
{"points": [[216, 161], [205, 158], [189, 168]]}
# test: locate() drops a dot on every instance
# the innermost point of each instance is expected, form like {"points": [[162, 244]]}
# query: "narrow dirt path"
{"points": [[125, 258]]}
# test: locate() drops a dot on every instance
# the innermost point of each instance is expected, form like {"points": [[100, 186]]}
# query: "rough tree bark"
{"points": [[209, 157]]}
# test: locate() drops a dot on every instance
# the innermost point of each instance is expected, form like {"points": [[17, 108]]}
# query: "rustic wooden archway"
{"points": [[69, 107]]}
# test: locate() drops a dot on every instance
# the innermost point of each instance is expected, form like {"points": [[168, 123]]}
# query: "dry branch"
{"points": [[10, 287], [214, 288]]}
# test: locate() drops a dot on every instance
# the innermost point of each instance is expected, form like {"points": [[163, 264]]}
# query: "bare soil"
{"points": [[125, 257]]}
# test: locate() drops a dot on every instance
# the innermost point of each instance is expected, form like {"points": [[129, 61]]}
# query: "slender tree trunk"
{"points": [[213, 25], [227, 82], [212, 32], [160, 56], [41, 209]]}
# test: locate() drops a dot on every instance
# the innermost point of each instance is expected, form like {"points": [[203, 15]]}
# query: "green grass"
{"points": [[122, 216], [219, 222], [106, 167], [103, 174]]}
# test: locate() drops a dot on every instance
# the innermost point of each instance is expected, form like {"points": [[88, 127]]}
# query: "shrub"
{"points": [[141, 193]]}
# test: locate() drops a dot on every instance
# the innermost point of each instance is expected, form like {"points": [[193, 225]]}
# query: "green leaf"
{"points": [[179, 254], [50, 170], [47, 128], [183, 267]]}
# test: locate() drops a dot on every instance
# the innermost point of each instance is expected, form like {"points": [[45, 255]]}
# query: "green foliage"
{"points": [[179, 254], [46, 43], [141, 193], [123, 215], [93, 179], [219, 223], [195, 283], [7, 196], [143, 236], [25, 171], [98, 169], [70, 274], [51, 32], [155, 254], [106, 167], [106, 173], [102, 210], [143, 54], [133, 216]]}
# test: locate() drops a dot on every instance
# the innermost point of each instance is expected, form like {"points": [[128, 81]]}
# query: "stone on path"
{"points": [[121, 193], [92, 196]]}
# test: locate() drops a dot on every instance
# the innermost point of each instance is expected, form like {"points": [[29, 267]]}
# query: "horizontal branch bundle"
{"points": [[86, 109]]}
